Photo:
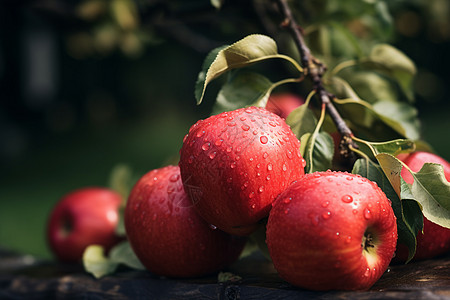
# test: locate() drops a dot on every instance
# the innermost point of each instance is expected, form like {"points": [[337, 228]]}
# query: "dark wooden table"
{"points": [[23, 277]]}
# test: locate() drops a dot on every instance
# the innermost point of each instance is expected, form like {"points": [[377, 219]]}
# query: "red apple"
{"points": [[332, 231], [81, 218], [435, 239], [234, 164], [283, 104], [166, 233]]}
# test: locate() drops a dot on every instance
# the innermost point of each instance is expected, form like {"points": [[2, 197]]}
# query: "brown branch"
{"points": [[314, 69]]}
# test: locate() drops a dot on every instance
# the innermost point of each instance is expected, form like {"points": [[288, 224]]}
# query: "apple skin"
{"points": [[166, 233], [435, 239], [233, 165], [81, 218], [283, 104], [318, 229]]}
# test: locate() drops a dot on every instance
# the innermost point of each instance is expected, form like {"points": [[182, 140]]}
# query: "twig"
{"points": [[314, 70]]}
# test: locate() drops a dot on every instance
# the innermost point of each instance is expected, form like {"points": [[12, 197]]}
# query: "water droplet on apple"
{"points": [[253, 206], [245, 127], [251, 195], [264, 139], [265, 155], [174, 177], [212, 155], [325, 204], [303, 162], [289, 154], [213, 227], [347, 199], [200, 133], [286, 211], [261, 189], [348, 239], [268, 177], [269, 167], [191, 159], [218, 142], [326, 215], [354, 211], [284, 167], [367, 214], [367, 272], [233, 165], [228, 149], [206, 146]]}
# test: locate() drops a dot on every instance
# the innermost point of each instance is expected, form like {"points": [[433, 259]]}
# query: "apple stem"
{"points": [[367, 241], [314, 69]]}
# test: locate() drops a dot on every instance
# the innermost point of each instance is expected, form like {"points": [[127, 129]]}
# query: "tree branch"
{"points": [[314, 69]]}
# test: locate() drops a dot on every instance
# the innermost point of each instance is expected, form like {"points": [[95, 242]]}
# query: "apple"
{"points": [[332, 231], [167, 234], [81, 218], [234, 164], [283, 104], [435, 239]]}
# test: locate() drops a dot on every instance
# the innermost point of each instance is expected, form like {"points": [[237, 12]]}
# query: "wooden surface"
{"points": [[23, 277]]}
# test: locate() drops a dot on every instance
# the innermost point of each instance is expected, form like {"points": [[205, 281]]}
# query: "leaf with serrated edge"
{"points": [[302, 120], [96, 263], [430, 188], [249, 50]]}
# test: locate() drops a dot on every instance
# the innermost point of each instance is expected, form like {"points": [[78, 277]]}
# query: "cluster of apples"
{"points": [[240, 170]]}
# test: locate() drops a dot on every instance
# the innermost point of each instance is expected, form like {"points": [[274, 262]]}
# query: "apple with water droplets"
{"points": [[283, 104], [332, 231], [234, 164], [81, 218], [435, 239], [166, 233]]}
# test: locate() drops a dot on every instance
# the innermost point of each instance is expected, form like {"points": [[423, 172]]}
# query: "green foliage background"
{"points": [[120, 86]]}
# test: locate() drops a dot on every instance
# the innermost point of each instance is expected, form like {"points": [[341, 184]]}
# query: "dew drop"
{"points": [[191, 159], [326, 215], [261, 189], [347, 199], [249, 110], [348, 239], [355, 211], [174, 177], [367, 272], [289, 154], [287, 200], [286, 211], [284, 168], [230, 179], [268, 177], [367, 214], [212, 155], [271, 123], [265, 155], [200, 133], [255, 132], [245, 127], [269, 167], [264, 139], [253, 206], [228, 149], [213, 227], [233, 165], [206, 146], [303, 163], [219, 142], [325, 204], [251, 195]]}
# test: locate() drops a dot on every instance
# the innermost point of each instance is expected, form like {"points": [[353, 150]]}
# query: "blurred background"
{"points": [[87, 85]]}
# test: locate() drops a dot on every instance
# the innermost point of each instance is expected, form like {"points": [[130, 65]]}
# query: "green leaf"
{"points": [[408, 213], [318, 152], [96, 263], [430, 188], [395, 63], [302, 120], [403, 113], [243, 89], [251, 49], [393, 147], [124, 254]]}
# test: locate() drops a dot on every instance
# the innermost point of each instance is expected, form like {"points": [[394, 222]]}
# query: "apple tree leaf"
{"points": [[393, 147], [243, 88], [396, 64], [99, 265], [407, 212], [302, 120], [251, 49], [96, 263], [430, 188], [318, 151], [403, 113]]}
